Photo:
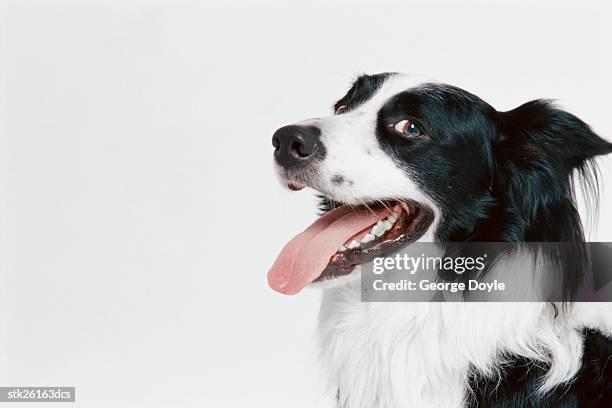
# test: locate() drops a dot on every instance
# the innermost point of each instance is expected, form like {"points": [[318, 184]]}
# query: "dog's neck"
{"points": [[387, 354]]}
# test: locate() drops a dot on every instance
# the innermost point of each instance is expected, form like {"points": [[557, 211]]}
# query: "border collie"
{"points": [[406, 160]]}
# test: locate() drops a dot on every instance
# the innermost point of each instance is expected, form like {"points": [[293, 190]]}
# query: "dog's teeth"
{"points": [[368, 238], [392, 218], [378, 230], [342, 248], [387, 225], [354, 244]]}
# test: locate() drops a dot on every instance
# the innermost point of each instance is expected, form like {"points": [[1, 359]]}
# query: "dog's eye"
{"points": [[408, 128], [341, 109]]}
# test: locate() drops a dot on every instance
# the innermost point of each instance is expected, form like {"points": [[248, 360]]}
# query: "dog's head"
{"points": [[405, 159]]}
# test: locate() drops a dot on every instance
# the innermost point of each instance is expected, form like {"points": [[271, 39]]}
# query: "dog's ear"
{"points": [[540, 130], [536, 151]]}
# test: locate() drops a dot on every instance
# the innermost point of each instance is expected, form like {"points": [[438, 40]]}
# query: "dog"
{"points": [[407, 160]]}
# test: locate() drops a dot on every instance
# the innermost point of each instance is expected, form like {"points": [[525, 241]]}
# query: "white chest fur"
{"points": [[420, 354]]}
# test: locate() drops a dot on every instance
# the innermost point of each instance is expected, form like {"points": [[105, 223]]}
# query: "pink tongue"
{"points": [[305, 257]]}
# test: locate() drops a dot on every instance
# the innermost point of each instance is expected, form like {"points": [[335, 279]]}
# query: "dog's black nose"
{"points": [[296, 144]]}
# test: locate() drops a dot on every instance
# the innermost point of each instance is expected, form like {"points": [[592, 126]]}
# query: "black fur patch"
{"points": [[517, 387], [363, 88]]}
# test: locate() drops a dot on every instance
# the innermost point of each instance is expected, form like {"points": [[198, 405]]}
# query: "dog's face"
{"points": [[385, 132], [353, 158], [405, 159]]}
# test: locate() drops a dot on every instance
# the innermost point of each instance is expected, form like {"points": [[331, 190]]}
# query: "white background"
{"points": [[140, 212]]}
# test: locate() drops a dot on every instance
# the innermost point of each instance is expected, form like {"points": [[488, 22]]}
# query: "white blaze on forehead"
{"points": [[354, 154]]}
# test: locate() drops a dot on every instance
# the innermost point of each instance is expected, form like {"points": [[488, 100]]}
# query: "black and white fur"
{"points": [[488, 176]]}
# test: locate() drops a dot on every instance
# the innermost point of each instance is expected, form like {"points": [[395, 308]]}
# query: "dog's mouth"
{"points": [[344, 238]]}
